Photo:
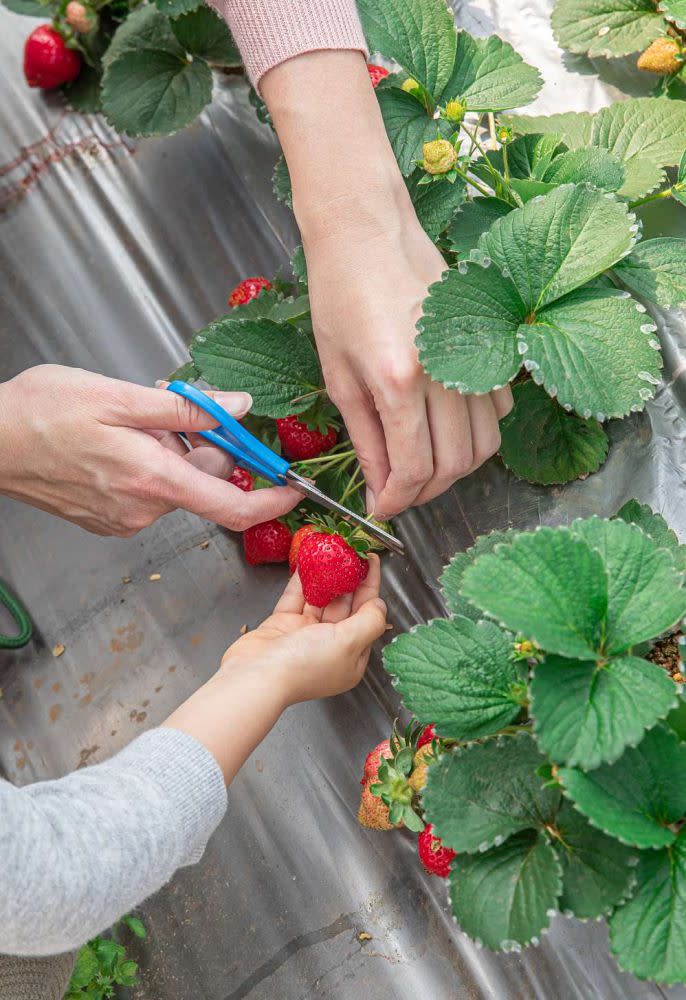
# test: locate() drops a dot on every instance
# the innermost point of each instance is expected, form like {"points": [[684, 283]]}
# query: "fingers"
{"points": [[210, 460], [451, 440], [502, 401], [339, 609], [364, 627], [367, 436], [408, 440], [181, 485], [162, 410], [292, 600], [485, 430], [369, 588]]}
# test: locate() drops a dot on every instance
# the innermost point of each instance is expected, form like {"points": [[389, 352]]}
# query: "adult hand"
{"points": [[369, 265], [105, 454]]}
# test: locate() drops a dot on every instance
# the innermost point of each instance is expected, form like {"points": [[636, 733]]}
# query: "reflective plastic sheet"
{"points": [[113, 253]]}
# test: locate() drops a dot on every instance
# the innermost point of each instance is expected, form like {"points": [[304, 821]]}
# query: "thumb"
{"points": [[157, 409], [366, 626]]}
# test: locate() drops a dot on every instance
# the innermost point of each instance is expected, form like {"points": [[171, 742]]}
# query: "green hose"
{"points": [[21, 617]]}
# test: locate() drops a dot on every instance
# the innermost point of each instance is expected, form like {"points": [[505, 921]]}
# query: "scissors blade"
{"points": [[310, 490]]}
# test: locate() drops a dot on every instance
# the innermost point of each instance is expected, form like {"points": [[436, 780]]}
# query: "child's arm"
{"points": [[79, 852]]}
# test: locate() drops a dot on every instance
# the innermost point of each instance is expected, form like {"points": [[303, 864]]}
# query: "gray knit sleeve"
{"points": [[79, 852]]}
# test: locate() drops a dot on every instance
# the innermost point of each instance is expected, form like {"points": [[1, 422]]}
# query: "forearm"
{"points": [[342, 168], [79, 852]]}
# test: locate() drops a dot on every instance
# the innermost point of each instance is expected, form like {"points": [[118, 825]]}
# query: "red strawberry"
{"points": [[247, 289], [268, 542], [328, 568], [376, 74], [435, 858], [48, 62], [242, 479], [373, 813], [301, 533], [427, 734], [300, 441]]}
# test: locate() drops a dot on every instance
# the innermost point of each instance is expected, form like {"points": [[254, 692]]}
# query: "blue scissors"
{"points": [[255, 456]]}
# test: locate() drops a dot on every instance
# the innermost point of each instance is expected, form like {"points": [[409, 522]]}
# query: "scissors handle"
{"points": [[234, 438]]}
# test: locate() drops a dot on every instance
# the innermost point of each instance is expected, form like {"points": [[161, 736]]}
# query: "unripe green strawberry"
{"points": [[455, 110], [440, 156]]}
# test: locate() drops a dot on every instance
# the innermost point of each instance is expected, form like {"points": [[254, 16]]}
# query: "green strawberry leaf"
{"points": [[135, 925], [598, 167], [674, 10], [186, 372], [597, 871], [271, 304], [83, 95], [472, 220], [656, 270], [639, 797], [467, 334], [648, 933], [543, 444], [549, 585], [490, 76], [203, 33], [451, 579], [553, 245], [281, 182], [435, 204], [529, 156], [646, 134], [408, 127], [417, 34], [503, 898], [145, 28], [606, 27], [154, 92], [645, 594], [653, 524], [85, 969], [595, 352], [459, 674], [478, 796], [30, 8], [571, 127], [173, 8], [299, 266], [586, 712], [676, 720], [274, 362]]}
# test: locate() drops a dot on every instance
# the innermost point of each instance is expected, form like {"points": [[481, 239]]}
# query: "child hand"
{"points": [[308, 652]]}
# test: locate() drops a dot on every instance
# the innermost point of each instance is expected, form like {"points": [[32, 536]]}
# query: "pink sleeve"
{"points": [[268, 32]]}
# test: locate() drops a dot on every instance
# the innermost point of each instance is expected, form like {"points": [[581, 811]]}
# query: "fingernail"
{"points": [[159, 383], [371, 501], [236, 403]]}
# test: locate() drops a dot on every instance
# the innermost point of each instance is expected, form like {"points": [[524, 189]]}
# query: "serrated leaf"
{"points": [[549, 585], [676, 720], [274, 362], [299, 266], [472, 220], [478, 796], [154, 92], [144, 28], [542, 443], [591, 351], [281, 182], [645, 134], [648, 933], [270, 304], [418, 34], [30, 8], [459, 674], [598, 167], [173, 8], [451, 578], [503, 898], [639, 796], [186, 372], [585, 712], [649, 521], [656, 270], [572, 127], [490, 76], [467, 337], [203, 33], [435, 204], [606, 27], [408, 126], [553, 245], [675, 11], [597, 871], [681, 172], [83, 95], [529, 156], [645, 595]]}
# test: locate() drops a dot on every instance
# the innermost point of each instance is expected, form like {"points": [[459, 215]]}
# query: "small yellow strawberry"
{"points": [[440, 156], [661, 57], [420, 769]]}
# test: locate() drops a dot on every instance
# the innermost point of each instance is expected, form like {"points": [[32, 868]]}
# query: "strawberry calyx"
{"points": [[356, 537]]}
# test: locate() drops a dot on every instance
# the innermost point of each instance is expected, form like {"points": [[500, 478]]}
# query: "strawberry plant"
{"points": [[553, 778], [102, 965], [614, 28]]}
